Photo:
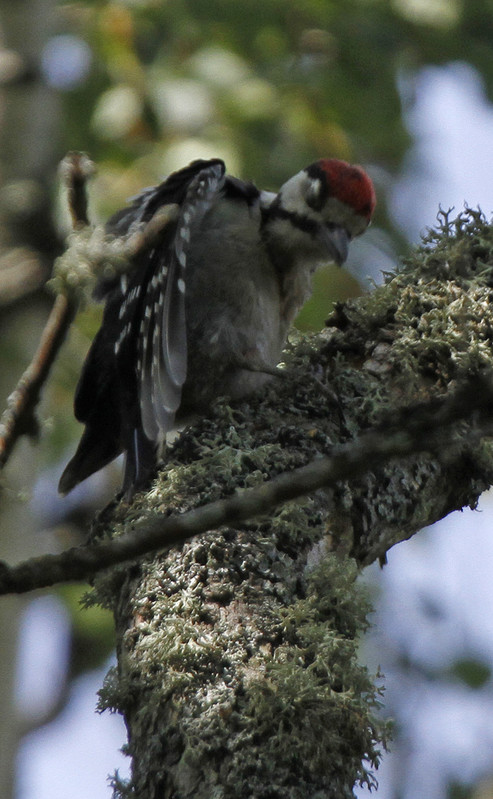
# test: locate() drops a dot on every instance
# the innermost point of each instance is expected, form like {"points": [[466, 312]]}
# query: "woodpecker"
{"points": [[205, 311]]}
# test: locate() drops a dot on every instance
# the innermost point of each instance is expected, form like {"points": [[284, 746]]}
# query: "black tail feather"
{"points": [[96, 449]]}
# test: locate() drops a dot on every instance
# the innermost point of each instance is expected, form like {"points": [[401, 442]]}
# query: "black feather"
{"points": [[131, 382]]}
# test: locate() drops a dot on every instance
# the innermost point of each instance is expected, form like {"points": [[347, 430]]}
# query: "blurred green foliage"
{"points": [[473, 673], [269, 84], [93, 635]]}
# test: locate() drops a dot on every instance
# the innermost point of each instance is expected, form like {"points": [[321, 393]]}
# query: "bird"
{"points": [[205, 310]]}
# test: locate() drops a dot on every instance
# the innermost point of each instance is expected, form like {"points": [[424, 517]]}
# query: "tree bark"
{"points": [[237, 652]]}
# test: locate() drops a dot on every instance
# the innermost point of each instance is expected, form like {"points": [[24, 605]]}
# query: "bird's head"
{"points": [[330, 200]]}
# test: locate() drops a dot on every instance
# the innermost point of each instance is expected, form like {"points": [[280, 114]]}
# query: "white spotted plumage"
{"points": [[227, 274], [162, 344]]}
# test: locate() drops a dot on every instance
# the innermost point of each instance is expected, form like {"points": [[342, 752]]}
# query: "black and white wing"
{"points": [[131, 383], [162, 339]]}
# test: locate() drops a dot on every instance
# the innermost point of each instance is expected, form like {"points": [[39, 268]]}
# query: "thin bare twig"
{"points": [[147, 236], [96, 252], [19, 418], [420, 429], [75, 170]]}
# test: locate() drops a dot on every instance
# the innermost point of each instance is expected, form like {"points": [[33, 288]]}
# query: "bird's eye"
{"points": [[314, 196]]}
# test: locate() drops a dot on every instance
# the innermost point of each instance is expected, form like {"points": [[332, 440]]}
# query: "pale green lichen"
{"points": [[238, 652], [268, 680], [314, 705], [91, 255]]}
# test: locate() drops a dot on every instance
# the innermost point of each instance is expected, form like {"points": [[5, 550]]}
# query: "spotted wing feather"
{"points": [[162, 339], [130, 386]]}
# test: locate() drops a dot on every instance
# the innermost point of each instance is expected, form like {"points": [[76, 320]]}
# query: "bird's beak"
{"points": [[336, 240]]}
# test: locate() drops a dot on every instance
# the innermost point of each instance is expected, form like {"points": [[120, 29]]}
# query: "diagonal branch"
{"points": [[95, 251], [19, 418], [413, 430]]}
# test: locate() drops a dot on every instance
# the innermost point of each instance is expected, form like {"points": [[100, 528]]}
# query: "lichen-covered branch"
{"points": [[428, 427], [237, 667]]}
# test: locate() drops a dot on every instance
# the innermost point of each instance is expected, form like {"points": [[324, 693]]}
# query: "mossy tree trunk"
{"points": [[237, 653]]}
